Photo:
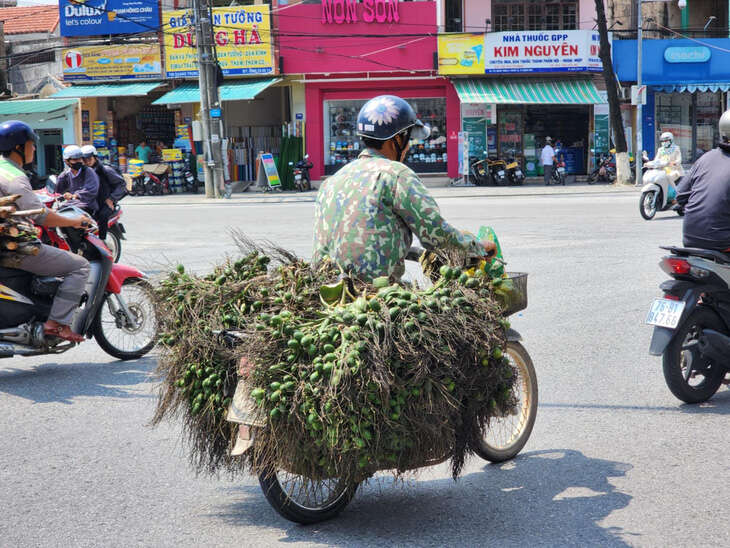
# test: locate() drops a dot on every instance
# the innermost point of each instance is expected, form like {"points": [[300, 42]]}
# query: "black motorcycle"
{"points": [[302, 181], [692, 322], [479, 172]]}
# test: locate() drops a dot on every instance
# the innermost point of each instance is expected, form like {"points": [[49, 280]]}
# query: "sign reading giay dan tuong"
{"points": [[520, 51], [112, 62], [242, 39], [104, 17]]}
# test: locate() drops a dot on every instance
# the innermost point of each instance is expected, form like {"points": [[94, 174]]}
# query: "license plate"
{"points": [[518, 173], [500, 173], [665, 313], [561, 170]]}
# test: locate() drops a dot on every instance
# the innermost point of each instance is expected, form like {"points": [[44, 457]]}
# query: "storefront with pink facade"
{"points": [[344, 52]]}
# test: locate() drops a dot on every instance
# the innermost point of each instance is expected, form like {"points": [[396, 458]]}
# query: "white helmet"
{"points": [[72, 152], [87, 151], [667, 136], [725, 127]]}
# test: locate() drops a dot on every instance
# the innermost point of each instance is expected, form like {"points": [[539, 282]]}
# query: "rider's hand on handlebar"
{"points": [[67, 196], [490, 248], [81, 222]]}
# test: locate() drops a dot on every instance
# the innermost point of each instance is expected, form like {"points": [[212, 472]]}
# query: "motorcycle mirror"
{"points": [[51, 183], [306, 156]]}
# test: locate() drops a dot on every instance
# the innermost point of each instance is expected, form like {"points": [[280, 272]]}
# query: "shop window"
{"points": [[510, 15], [342, 144]]}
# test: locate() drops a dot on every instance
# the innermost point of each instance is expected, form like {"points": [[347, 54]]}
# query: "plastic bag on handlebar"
{"points": [[496, 265]]}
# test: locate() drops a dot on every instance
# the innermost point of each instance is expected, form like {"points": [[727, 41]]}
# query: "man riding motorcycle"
{"points": [[366, 214], [111, 188], [78, 183], [705, 194], [17, 148]]}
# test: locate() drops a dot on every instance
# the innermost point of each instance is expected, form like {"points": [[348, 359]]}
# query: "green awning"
{"points": [[108, 90], [34, 106], [237, 90], [528, 91]]}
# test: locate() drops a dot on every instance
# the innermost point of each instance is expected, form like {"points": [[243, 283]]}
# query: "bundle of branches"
{"points": [[346, 377], [16, 235]]}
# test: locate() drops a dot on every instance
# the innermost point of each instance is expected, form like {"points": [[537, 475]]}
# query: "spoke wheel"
{"points": [[113, 330], [114, 244], [506, 436], [648, 204], [303, 500], [690, 376]]}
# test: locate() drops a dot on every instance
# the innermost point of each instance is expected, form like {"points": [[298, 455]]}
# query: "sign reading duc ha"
{"points": [[242, 37]]}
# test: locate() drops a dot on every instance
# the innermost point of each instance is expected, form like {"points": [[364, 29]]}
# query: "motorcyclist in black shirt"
{"points": [[111, 188], [705, 195]]}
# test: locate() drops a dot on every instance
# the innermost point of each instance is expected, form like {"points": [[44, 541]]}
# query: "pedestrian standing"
{"points": [[547, 157], [143, 152]]}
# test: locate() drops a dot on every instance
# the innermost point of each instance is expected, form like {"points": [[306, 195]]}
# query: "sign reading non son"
{"points": [[351, 11]]}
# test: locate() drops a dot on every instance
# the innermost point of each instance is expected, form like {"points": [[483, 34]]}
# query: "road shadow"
{"points": [[719, 404], [61, 383], [545, 498]]}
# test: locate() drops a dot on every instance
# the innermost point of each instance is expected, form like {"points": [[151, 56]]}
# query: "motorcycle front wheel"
{"points": [[119, 335], [505, 436], [303, 500], [648, 204], [690, 376], [114, 243]]}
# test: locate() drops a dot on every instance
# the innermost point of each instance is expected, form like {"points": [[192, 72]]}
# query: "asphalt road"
{"points": [[614, 458]]}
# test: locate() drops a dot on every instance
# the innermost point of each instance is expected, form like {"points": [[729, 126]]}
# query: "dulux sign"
{"points": [[99, 17]]}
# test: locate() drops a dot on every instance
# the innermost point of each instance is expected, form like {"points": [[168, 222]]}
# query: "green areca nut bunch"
{"points": [[348, 378]]}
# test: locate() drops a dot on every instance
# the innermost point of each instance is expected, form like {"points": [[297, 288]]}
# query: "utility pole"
{"points": [[208, 84], [614, 108]]}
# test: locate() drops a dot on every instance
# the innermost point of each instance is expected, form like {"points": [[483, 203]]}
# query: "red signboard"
{"points": [[368, 11]]}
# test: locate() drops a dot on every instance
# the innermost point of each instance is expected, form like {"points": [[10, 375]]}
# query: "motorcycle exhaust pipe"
{"points": [[9, 350], [715, 346]]}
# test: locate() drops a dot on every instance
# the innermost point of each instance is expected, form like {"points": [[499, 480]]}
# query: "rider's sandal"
{"points": [[63, 332]]}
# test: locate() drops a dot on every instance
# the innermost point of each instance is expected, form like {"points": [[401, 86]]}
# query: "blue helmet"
{"points": [[385, 116], [14, 133]]}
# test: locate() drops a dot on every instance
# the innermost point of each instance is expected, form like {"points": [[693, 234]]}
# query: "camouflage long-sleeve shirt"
{"points": [[366, 215]]}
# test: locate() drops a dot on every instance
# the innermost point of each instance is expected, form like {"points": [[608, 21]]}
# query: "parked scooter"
{"points": [[479, 172], [498, 171], [156, 179], [118, 310], [659, 191], [302, 181], [190, 183], [558, 175], [515, 175], [691, 322], [605, 170]]}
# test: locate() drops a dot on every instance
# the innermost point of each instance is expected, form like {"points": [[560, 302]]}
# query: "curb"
{"points": [[439, 193]]}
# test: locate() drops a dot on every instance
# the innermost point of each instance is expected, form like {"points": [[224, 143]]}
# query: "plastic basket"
{"points": [[512, 294]]}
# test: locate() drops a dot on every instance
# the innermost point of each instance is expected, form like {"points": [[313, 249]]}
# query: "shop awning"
{"points": [[238, 90], [528, 91], [108, 90], [34, 106], [691, 88]]}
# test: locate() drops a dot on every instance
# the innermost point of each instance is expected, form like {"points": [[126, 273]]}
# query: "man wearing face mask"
{"points": [[111, 188], [78, 183], [17, 148], [669, 155], [367, 213]]}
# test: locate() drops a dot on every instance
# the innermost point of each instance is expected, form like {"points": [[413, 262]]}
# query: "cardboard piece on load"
{"points": [[244, 441], [242, 409]]}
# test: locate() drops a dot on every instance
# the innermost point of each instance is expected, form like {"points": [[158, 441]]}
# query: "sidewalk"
{"points": [[438, 187]]}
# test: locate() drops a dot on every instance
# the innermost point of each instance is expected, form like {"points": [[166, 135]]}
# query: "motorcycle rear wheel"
{"points": [[691, 377], [302, 500], [110, 329], [505, 436]]}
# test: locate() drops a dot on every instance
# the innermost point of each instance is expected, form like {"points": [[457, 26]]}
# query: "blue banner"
{"points": [[104, 17]]}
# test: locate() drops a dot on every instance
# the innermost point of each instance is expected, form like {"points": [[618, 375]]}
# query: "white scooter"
{"points": [[659, 192]]}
